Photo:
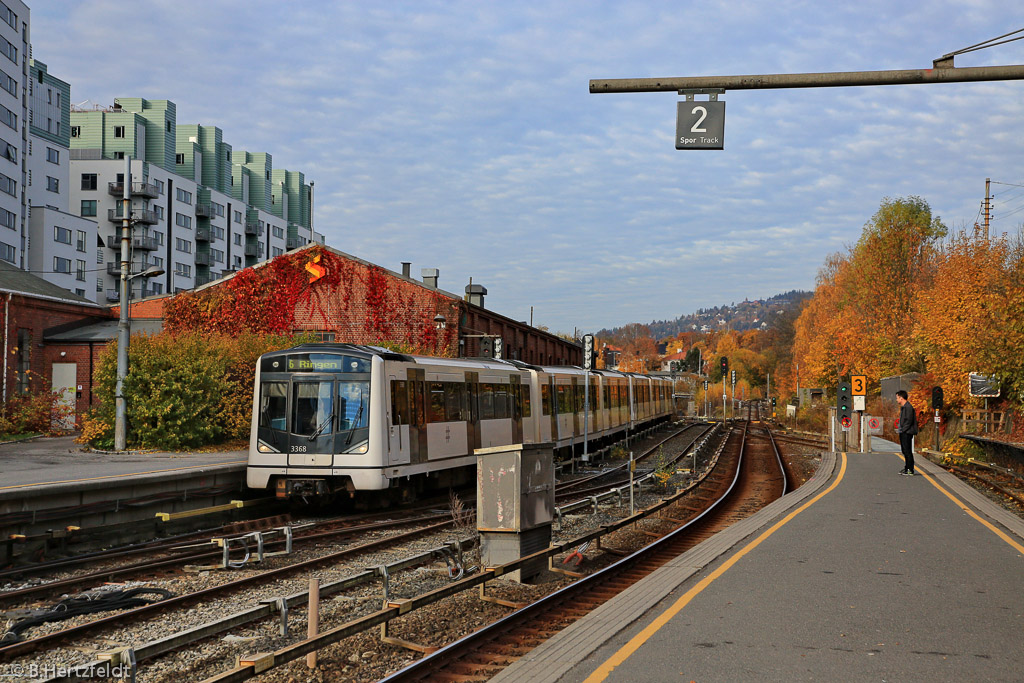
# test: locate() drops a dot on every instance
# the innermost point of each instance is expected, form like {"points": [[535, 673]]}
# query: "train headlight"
{"points": [[264, 447]]}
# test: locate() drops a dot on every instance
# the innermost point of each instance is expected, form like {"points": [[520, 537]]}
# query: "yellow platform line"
{"points": [[602, 672], [116, 476]]}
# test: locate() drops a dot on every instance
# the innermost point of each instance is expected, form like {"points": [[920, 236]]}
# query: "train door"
{"points": [[398, 422], [417, 415], [472, 410], [312, 423], [515, 390], [576, 396]]}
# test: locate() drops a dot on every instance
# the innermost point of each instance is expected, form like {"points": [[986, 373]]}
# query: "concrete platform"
{"points": [[50, 484], [861, 574]]}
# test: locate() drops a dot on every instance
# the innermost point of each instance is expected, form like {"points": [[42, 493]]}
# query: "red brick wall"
{"points": [[35, 315]]}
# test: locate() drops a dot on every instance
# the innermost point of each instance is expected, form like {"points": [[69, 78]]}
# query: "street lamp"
{"points": [[123, 334], [440, 322]]}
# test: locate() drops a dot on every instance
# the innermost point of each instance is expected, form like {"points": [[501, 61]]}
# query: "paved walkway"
{"points": [[860, 575], [48, 461]]}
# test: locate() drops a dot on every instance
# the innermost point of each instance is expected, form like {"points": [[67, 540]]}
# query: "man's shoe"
{"points": [[903, 471], [907, 473]]}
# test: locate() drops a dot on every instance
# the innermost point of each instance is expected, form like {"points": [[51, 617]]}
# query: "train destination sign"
{"points": [[700, 125]]}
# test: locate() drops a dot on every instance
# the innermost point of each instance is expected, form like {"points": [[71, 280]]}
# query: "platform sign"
{"points": [[700, 124], [858, 385]]}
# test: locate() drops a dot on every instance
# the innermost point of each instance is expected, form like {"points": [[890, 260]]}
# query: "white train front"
{"points": [[333, 418]]}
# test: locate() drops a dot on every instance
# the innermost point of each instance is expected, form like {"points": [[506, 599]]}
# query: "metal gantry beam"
{"points": [[943, 71]]}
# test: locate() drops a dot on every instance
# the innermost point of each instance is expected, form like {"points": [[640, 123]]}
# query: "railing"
{"points": [[252, 228], [203, 235], [145, 216], [204, 211], [986, 421], [294, 243], [202, 259], [142, 189], [144, 243], [252, 250]]}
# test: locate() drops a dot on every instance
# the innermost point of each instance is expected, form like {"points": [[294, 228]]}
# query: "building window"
{"points": [[217, 255], [179, 159], [8, 50], [52, 155], [9, 151], [76, 131], [8, 83], [218, 232], [8, 219], [61, 265], [118, 131], [88, 207], [167, 126], [7, 252], [157, 261], [24, 360], [159, 211], [99, 284], [238, 216], [159, 186], [82, 239], [52, 184], [183, 196], [8, 117], [182, 269], [276, 251], [8, 185], [119, 155], [183, 220], [159, 240], [62, 235], [182, 245], [80, 292], [80, 272], [89, 182], [278, 231], [238, 239]]}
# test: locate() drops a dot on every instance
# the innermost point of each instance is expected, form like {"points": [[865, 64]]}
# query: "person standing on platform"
{"points": [[906, 428]]}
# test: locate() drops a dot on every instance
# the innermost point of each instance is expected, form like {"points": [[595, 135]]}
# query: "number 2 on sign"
{"points": [[858, 385], [703, 115]]}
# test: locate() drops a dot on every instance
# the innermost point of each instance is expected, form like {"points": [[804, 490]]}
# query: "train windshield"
{"points": [[325, 407]]}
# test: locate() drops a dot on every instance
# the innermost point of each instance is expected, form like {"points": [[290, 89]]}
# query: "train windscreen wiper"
{"points": [[355, 421], [323, 426]]}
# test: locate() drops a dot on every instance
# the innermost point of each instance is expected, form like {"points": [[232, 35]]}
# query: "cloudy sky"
{"points": [[462, 135]]}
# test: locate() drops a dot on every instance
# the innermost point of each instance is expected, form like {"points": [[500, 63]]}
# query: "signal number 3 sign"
{"points": [[858, 385]]}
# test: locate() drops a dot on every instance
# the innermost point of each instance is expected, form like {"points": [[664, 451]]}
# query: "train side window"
{"points": [[273, 405], [399, 402], [487, 401], [525, 400], [454, 399], [545, 399], [472, 412], [564, 399], [435, 402], [501, 401]]}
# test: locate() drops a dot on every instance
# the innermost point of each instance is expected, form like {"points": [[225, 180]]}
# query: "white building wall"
{"points": [[14, 32]]}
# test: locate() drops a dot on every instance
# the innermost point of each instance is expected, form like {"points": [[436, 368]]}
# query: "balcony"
{"points": [[202, 259], [203, 235], [204, 211], [252, 227], [140, 189], [203, 279], [143, 243], [252, 250], [113, 295], [140, 216], [294, 243]]}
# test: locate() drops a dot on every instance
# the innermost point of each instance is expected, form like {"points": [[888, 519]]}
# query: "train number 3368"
{"points": [[298, 449]]}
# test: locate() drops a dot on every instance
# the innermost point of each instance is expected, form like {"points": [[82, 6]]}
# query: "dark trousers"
{"points": [[907, 446]]}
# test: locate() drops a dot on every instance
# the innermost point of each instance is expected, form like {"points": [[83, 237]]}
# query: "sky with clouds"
{"points": [[462, 135]]}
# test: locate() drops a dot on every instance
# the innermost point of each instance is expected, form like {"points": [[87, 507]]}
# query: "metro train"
{"points": [[368, 422]]}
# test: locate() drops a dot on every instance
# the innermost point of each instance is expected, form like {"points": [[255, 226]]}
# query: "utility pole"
{"points": [[988, 205], [120, 429]]}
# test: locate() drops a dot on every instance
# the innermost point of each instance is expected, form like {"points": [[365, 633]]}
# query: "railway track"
{"points": [[753, 477], [17, 649]]}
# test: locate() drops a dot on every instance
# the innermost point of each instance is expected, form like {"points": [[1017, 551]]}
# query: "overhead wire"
{"points": [[987, 43]]}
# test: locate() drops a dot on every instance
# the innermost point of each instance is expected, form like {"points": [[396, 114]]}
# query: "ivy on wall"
{"points": [[360, 303]]}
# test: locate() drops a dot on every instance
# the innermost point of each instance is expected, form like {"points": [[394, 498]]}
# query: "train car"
{"points": [[342, 418]]}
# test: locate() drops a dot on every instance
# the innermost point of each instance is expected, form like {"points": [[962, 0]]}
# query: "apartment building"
{"points": [[61, 245], [14, 41], [199, 208]]}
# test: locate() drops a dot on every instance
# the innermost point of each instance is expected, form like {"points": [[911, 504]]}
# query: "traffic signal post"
{"points": [[844, 409]]}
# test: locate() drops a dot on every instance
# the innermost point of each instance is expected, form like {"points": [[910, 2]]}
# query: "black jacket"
{"points": [[908, 420]]}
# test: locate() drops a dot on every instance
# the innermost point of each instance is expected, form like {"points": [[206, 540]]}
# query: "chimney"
{"points": [[429, 276], [475, 294], [406, 269]]}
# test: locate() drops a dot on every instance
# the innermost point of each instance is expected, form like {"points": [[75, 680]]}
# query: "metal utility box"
{"points": [[515, 503]]}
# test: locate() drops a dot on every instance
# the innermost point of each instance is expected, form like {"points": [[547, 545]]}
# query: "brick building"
{"points": [[54, 338], [33, 309]]}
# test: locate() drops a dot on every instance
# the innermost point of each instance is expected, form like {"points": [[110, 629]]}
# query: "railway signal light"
{"points": [[725, 366], [588, 351], [732, 376], [497, 347], [773, 401], [937, 398], [844, 402], [486, 347]]}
